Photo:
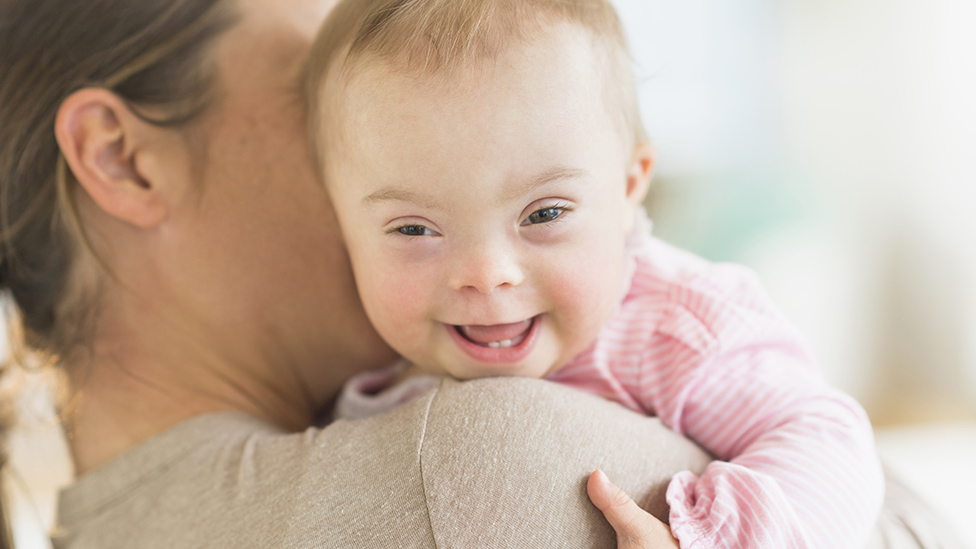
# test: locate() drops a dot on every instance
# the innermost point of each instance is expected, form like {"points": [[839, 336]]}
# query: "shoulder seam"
{"points": [[420, 461]]}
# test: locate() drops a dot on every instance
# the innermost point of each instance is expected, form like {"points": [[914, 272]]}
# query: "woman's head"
{"points": [[152, 55], [158, 206]]}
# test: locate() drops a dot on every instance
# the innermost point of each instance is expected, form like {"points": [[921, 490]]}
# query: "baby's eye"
{"points": [[544, 215], [414, 230]]}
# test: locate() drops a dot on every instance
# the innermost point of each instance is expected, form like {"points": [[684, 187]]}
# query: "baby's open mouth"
{"points": [[498, 336]]}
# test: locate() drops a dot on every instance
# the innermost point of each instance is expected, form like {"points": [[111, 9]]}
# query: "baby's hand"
{"points": [[635, 527]]}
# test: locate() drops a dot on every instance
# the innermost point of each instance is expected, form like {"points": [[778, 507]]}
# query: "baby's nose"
{"points": [[487, 268]]}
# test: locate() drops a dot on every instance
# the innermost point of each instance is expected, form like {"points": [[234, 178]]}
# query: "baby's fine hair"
{"points": [[438, 38]]}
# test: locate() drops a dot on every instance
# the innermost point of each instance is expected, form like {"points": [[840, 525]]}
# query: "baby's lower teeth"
{"points": [[503, 344]]}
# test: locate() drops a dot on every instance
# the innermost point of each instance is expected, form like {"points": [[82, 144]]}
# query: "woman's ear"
{"points": [[112, 154], [639, 172]]}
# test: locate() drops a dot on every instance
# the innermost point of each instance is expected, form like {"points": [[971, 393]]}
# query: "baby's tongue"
{"points": [[498, 332]]}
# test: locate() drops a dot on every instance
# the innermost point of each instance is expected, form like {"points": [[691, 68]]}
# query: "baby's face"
{"points": [[486, 217]]}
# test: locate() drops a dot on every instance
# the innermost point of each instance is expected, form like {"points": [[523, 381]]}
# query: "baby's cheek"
{"points": [[395, 305], [584, 295]]}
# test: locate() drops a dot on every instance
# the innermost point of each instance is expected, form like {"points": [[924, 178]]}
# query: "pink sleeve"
{"points": [[797, 464]]}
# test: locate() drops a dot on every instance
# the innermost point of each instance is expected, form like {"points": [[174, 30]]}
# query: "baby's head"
{"points": [[485, 159]]}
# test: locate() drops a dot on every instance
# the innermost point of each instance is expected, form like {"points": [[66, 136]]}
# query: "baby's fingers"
{"points": [[635, 528]]}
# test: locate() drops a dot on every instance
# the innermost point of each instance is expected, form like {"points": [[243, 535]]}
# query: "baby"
{"points": [[487, 164]]}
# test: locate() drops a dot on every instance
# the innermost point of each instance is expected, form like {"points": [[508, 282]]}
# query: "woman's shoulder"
{"points": [[228, 479], [502, 458]]}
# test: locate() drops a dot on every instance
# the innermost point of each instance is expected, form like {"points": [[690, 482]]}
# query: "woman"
{"points": [[170, 247]]}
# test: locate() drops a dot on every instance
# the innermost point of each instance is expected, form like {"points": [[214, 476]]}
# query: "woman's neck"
{"points": [[123, 394]]}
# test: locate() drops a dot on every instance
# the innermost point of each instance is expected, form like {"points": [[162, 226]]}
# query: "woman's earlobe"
{"points": [[101, 140], [639, 172]]}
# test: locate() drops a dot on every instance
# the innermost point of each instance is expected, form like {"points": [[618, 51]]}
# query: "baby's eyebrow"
{"points": [[396, 194], [545, 178]]}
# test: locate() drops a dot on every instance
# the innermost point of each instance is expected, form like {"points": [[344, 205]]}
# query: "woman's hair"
{"points": [[437, 38], [153, 54]]}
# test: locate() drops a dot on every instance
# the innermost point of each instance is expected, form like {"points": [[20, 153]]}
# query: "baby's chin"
{"points": [[469, 372]]}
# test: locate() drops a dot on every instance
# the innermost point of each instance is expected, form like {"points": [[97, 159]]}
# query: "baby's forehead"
{"points": [[532, 81], [528, 116], [451, 62], [562, 45], [424, 62]]}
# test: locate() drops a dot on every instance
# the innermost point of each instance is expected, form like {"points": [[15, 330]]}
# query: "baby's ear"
{"points": [[639, 172]]}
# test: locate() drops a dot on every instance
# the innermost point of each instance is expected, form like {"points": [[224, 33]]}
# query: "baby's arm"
{"points": [[797, 464]]}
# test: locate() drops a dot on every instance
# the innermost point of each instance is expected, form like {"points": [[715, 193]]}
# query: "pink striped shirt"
{"points": [[701, 346]]}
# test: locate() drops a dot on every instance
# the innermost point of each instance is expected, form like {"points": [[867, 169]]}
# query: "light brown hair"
{"points": [[150, 53], [435, 38]]}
